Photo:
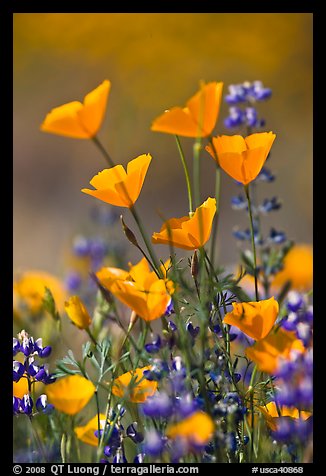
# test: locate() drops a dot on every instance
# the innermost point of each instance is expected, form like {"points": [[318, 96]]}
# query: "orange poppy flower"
{"points": [[255, 319], [267, 352], [298, 268], [242, 158], [86, 432], [77, 312], [140, 289], [79, 120], [118, 187], [70, 394], [133, 386], [29, 288], [271, 414], [197, 429], [197, 119], [188, 233]]}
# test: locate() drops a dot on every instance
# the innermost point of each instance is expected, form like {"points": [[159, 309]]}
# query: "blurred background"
{"points": [[154, 61]]}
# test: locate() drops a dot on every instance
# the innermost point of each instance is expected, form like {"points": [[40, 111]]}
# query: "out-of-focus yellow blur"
{"points": [[154, 61]]}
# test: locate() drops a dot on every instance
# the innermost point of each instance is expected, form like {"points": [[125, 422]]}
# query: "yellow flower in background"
{"points": [[77, 312], [86, 433], [118, 187], [20, 388], [70, 394], [79, 120], [242, 158], [298, 268], [140, 289], [255, 319], [188, 233], [197, 429], [29, 288], [271, 414], [197, 119], [267, 352], [133, 386]]}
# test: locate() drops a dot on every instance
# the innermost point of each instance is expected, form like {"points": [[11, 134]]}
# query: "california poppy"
{"points": [[197, 119], [267, 352], [77, 312], [86, 432], [133, 386], [140, 289], [271, 414], [118, 187], [79, 120], [197, 429], [189, 233], [29, 288], [242, 158], [297, 269], [255, 319], [70, 394]]}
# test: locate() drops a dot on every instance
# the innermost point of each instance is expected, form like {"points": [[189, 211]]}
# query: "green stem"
{"points": [[246, 188], [215, 223], [91, 336], [252, 426], [146, 241], [38, 440], [104, 152], [98, 415], [196, 170], [186, 171]]}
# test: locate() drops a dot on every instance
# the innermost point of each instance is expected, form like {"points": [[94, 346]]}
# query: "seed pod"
{"points": [[194, 265], [129, 234]]}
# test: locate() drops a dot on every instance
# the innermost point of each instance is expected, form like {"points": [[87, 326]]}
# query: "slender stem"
{"points": [[38, 440], [98, 415], [196, 170], [215, 223], [252, 426], [217, 196], [91, 336], [146, 241], [106, 155], [246, 188], [186, 171]]}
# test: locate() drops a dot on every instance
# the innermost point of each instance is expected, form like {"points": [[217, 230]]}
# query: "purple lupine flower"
{"points": [[139, 459], [73, 281], [277, 237], [269, 205], [235, 119], [294, 301], [27, 346], [265, 175], [158, 370], [193, 331], [154, 443], [42, 404], [26, 404], [259, 92], [16, 405], [18, 370], [135, 435], [120, 458], [159, 405], [185, 405], [239, 203], [251, 116], [169, 309], [81, 246], [154, 346], [15, 346]]}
